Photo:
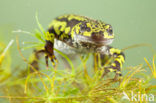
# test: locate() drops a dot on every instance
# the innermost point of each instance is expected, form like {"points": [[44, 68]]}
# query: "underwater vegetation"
{"points": [[75, 85]]}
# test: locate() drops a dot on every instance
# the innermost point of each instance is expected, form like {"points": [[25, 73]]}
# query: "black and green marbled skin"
{"points": [[84, 35]]}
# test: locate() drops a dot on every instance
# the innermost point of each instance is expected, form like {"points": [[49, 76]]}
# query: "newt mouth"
{"points": [[95, 41], [101, 41]]}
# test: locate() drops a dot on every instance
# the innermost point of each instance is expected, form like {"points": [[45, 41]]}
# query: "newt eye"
{"points": [[110, 31]]}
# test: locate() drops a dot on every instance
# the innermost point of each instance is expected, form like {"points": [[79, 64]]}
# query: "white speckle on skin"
{"points": [[81, 45], [63, 47]]}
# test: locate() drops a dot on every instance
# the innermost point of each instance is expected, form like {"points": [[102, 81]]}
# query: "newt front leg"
{"points": [[117, 62], [49, 52], [49, 49]]}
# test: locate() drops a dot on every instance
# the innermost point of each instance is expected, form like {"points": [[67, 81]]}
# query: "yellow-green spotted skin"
{"points": [[84, 35]]}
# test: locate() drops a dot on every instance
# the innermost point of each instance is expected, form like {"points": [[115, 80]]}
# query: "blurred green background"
{"points": [[134, 21]]}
